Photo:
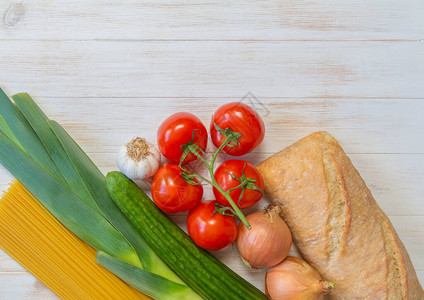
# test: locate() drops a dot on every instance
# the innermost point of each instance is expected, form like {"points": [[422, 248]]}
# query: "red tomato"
{"points": [[176, 131], [226, 182], [240, 118], [211, 232], [171, 193]]}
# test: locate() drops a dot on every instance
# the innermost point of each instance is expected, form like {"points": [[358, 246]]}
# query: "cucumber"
{"points": [[200, 270]]}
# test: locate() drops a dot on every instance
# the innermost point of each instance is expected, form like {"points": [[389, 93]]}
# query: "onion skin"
{"points": [[268, 242], [295, 279]]}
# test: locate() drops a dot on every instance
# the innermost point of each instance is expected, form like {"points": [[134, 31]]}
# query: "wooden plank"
{"points": [[23, 286], [213, 69], [17, 287], [360, 125], [410, 230], [8, 265], [212, 20], [420, 275]]}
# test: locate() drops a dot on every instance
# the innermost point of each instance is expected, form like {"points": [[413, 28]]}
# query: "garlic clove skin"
{"points": [[147, 167], [125, 164], [138, 159]]}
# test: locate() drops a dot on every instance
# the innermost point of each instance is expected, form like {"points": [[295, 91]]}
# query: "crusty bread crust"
{"points": [[336, 223]]}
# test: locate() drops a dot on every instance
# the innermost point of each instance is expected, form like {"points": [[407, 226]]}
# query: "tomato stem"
{"points": [[224, 193], [188, 176], [193, 149], [245, 183], [223, 210], [229, 137], [233, 205]]}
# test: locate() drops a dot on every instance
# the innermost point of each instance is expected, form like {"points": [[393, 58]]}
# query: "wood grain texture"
{"points": [[213, 20], [214, 68], [109, 70], [21, 286], [389, 126]]}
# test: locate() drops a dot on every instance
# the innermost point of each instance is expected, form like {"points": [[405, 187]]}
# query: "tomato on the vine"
{"points": [[171, 193], [225, 176], [209, 230], [177, 130], [241, 118]]}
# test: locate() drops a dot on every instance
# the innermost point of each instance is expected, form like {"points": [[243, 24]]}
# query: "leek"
{"points": [[6, 130], [83, 221], [38, 121], [148, 283], [96, 183], [86, 180], [24, 133], [51, 165]]}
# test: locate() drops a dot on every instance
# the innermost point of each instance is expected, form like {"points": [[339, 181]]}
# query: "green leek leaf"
{"points": [[24, 133], [96, 184], [6, 131], [38, 121], [49, 163], [82, 220], [148, 283]]}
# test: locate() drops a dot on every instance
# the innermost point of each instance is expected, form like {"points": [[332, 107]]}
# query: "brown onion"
{"points": [[269, 240], [295, 279]]}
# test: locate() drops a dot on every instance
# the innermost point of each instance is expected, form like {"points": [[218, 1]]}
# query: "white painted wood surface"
{"points": [[375, 69], [109, 70], [215, 20]]}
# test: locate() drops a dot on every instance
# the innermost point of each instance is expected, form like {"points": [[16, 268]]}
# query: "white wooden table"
{"points": [[110, 70]]}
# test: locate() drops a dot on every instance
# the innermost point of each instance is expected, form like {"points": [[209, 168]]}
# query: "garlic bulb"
{"points": [[138, 159], [295, 279]]}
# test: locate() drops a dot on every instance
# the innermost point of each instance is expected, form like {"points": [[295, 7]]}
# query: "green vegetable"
{"points": [[76, 212], [6, 131], [86, 180], [48, 162], [24, 133], [96, 183], [83, 221], [39, 122], [204, 273], [148, 283]]}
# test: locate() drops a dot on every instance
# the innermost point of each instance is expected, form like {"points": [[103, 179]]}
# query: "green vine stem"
{"points": [[223, 210], [193, 148]]}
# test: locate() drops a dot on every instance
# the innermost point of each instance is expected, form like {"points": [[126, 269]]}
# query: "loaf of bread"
{"points": [[336, 223]]}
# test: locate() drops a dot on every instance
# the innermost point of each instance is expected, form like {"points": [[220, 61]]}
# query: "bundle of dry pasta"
{"points": [[54, 255]]}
